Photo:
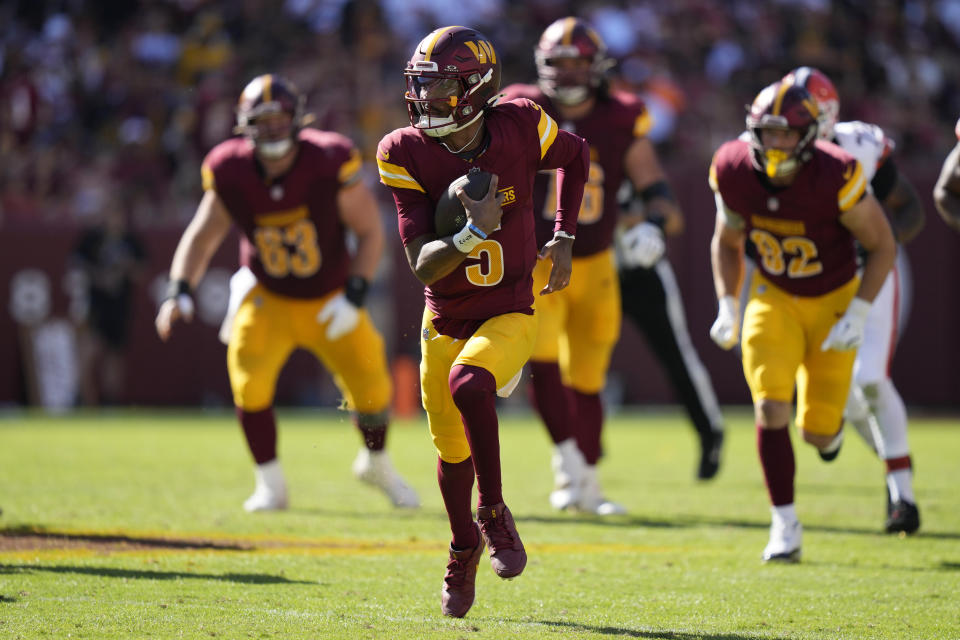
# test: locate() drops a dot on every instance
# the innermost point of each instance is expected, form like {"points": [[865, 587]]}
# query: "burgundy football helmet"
{"points": [[264, 95], [782, 105], [823, 91], [452, 77], [571, 38]]}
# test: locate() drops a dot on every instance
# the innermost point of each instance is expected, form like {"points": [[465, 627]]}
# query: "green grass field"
{"points": [[129, 525]]}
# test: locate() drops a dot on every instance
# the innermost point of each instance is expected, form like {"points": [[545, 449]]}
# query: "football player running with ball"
{"points": [[874, 406], [479, 324], [294, 193], [580, 326], [803, 202]]}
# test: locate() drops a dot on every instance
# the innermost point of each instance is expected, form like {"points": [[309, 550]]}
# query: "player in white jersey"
{"points": [[875, 407]]}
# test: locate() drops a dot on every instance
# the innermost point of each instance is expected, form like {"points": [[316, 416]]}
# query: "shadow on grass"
{"points": [[689, 522], [32, 535], [139, 574], [664, 635]]}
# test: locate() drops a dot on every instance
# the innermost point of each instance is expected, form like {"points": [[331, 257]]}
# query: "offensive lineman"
{"points": [[294, 193], [580, 326]]}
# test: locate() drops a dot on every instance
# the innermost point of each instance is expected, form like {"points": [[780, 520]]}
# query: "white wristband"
{"points": [[728, 304], [859, 308], [465, 239]]}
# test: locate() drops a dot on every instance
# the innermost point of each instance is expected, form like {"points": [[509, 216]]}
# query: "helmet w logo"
{"points": [[482, 50]]}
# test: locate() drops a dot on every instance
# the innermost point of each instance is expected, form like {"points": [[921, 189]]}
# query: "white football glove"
{"points": [[726, 328], [643, 245], [342, 316], [847, 333]]}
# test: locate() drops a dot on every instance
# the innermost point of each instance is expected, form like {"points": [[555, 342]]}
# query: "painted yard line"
{"points": [[261, 544]]}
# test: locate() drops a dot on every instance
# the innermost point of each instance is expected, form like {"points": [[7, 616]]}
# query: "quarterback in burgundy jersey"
{"points": [[580, 327], [802, 202], [293, 193], [479, 323]]}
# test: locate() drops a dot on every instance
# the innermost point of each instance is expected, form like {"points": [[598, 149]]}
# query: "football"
{"points": [[450, 216]]}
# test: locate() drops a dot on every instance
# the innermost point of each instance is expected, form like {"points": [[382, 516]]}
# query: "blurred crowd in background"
{"points": [[112, 104]]}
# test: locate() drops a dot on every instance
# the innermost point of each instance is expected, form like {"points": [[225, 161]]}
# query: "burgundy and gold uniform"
{"points": [[610, 128], [492, 290], [806, 276], [291, 237], [293, 241], [579, 325]]}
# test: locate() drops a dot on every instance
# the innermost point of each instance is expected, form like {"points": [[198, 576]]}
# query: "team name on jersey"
{"points": [[281, 218], [779, 226], [509, 195]]}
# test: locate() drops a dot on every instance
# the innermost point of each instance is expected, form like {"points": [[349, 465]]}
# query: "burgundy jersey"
{"points": [[495, 278], [610, 128], [292, 237], [801, 245]]}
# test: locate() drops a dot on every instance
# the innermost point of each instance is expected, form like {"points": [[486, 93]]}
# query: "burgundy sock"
{"points": [[779, 465], [456, 487], [588, 425], [897, 464], [260, 429], [552, 400], [474, 392], [374, 431]]}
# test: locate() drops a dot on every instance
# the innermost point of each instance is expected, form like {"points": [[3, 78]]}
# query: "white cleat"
{"points": [[785, 541], [567, 463], [264, 499], [270, 493], [591, 496], [375, 468]]}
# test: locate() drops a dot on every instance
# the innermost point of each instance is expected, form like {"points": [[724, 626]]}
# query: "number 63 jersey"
{"points": [[292, 237], [801, 245]]}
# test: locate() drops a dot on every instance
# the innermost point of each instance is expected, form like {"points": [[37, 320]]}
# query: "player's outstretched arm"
{"points": [[360, 214], [868, 224], [199, 242], [946, 193], [560, 251], [726, 258], [650, 183]]}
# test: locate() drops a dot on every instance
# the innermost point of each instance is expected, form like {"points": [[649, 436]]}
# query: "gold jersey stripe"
{"points": [[850, 193], [393, 175], [350, 169], [643, 124], [547, 129], [281, 218], [206, 177]]}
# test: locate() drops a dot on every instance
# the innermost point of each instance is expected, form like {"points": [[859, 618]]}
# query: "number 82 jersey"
{"points": [[292, 237], [801, 245]]}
